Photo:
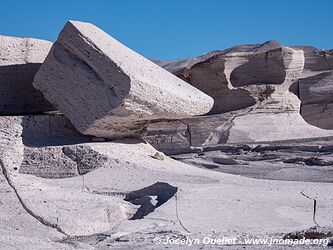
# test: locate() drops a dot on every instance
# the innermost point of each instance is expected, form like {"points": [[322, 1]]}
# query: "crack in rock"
{"points": [[29, 211]]}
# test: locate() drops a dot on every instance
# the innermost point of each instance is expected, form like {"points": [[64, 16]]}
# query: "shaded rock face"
{"points": [[60, 161], [49, 130], [178, 136], [108, 90], [20, 59], [316, 88], [52, 146]]}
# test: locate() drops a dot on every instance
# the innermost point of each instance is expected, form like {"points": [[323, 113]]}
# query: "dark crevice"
{"points": [[188, 133]]}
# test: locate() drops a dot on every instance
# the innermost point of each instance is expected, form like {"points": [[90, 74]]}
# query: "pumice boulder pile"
{"points": [[107, 90]]}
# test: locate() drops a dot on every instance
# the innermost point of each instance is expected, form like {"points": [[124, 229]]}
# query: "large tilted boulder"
{"points": [[316, 87], [20, 58], [108, 90], [254, 89]]}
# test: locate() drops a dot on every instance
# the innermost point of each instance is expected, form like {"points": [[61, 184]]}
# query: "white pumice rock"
{"points": [[244, 76], [108, 90], [20, 58], [256, 97]]}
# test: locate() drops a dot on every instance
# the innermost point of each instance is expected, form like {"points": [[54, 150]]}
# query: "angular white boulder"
{"points": [[108, 90], [20, 58]]}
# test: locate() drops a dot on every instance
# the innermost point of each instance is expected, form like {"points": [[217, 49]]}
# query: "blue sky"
{"points": [[172, 29]]}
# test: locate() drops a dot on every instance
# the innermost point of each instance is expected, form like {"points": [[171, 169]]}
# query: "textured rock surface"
{"points": [[316, 88], [88, 211], [20, 58], [253, 88], [64, 211], [108, 90], [174, 137], [177, 136], [60, 189], [245, 76], [60, 161], [291, 160]]}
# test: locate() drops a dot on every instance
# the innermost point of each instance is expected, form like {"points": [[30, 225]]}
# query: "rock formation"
{"points": [[244, 76], [316, 87], [20, 58], [253, 87], [108, 90], [62, 189]]}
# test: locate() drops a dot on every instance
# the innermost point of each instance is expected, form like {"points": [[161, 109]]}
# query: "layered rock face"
{"points": [[316, 88], [244, 76], [108, 90], [179, 136], [253, 88], [20, 58]]}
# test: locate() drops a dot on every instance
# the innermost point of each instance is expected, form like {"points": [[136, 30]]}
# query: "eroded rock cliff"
{"points": [[255, 93]]}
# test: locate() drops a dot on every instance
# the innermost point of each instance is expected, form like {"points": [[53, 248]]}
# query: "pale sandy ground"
{"points": [[209, 203]]}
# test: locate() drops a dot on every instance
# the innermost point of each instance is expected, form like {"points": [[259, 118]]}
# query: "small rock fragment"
{"points": [[158, 156]]}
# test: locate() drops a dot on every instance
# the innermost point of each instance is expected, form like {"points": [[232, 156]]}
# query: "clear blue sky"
{"points": [[171, 29]]}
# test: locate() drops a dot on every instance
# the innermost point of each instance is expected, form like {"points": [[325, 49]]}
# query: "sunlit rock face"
{"points": [[244, 76], [107, 90]]}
